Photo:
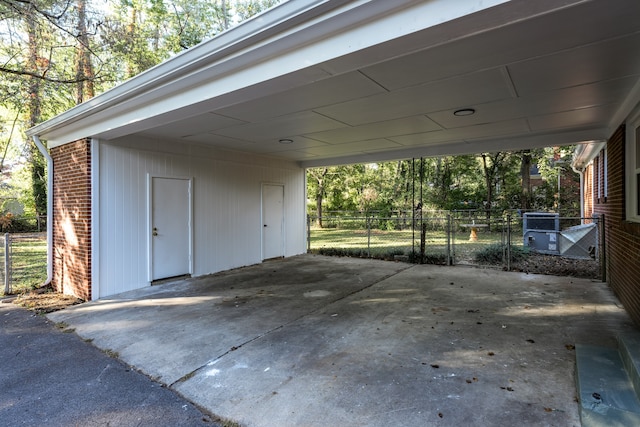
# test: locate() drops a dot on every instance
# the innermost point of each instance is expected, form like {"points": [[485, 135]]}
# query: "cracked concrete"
{"points": [[317, 341]]}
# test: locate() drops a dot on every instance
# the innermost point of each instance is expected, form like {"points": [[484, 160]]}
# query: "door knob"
{"points": [[265, 225]]}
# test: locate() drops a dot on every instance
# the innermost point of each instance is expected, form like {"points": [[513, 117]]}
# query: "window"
{"points": [[632, 171]]}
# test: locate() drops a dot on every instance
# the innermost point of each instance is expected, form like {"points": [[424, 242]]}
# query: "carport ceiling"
{"points": [[530, 73]]}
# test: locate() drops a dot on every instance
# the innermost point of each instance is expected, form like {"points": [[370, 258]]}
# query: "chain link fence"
{"points": [[509, 241], [23, 261]]}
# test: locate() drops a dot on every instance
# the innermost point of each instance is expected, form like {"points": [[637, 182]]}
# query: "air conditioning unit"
{"points": [[580, 241], [541, 231], [541, 221]]}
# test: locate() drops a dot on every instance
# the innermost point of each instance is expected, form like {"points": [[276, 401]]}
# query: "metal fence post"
{"points": [[423, 241], [453, 240], [308, 233], [368, 237], [508, 242], [449, 259], [7, 259]]}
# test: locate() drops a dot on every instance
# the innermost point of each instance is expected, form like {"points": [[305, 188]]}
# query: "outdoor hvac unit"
{"points": [[580, 241], [541, 231]]}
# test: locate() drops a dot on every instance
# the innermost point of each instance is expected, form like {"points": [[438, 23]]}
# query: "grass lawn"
{"points": [[29, 262], [381, 242]]}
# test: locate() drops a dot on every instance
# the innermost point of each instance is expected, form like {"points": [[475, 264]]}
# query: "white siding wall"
{"points": [[227, 226]]}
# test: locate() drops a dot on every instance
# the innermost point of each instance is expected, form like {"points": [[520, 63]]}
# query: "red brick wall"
{"points": [[622, 238], [72, 218]]}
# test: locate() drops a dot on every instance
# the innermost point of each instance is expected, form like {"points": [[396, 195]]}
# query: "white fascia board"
{"points": [[295, 36]]}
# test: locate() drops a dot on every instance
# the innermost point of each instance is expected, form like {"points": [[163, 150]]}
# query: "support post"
{"points": [[603, 247], [508, 242], [368, 237], [308, 233], [423, 242], [7, 259]]}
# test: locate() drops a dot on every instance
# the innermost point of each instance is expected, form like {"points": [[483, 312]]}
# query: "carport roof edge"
{"points": [[222, 45], [280, 30]]}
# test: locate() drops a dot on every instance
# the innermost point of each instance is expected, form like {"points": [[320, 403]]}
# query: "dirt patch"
{"points": [[44, 300], [558, 266]]}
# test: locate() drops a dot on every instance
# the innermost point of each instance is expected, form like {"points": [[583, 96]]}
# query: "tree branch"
{"points": [[41, 76]]}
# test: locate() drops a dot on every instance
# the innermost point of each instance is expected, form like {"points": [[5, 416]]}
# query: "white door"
{"points": [[272, 221], [170, 227]]}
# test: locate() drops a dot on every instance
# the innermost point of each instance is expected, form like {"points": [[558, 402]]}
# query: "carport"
{"points": [[227, 128], [317, 341]]}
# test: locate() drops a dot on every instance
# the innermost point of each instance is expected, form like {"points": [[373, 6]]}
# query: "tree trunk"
{"points": [[525, 173], [320, 196], [131, 35], [84, 68], [34, 107]]}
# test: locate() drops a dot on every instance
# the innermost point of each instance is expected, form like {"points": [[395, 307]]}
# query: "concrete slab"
{"points": [[319, 341]]}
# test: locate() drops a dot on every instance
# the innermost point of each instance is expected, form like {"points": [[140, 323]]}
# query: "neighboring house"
{"points": [[198, 165]]}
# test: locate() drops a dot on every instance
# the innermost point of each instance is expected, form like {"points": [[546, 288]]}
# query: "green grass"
{"points": [[385, 244], [28, 263]]}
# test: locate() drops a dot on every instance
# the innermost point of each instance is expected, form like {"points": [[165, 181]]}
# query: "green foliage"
{"points": [[444, 183]]}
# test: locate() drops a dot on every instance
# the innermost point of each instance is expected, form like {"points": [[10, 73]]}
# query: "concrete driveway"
{"points": [[319, 341]]}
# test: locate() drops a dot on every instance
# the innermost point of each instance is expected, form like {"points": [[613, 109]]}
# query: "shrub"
{"points": [[492, 254], [429, 258]]}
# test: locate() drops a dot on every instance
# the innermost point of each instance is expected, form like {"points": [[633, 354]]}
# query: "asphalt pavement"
{"points": [[50, 376]]}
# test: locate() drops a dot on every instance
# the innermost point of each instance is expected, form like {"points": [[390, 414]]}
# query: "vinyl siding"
{"points": [[227, 225]]}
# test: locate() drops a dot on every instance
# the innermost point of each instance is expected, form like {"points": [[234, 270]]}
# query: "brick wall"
{"points": [[72, 218], [622, 238]]}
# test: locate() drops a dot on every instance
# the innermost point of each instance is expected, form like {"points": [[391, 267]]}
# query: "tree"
{"points": [[84, 66], [316, 181], [525, 176]]}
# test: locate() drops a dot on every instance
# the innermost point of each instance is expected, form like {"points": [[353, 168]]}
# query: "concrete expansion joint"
{"points": [[191, 374]]}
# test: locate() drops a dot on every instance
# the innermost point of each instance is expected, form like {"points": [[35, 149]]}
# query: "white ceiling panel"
{"points": [[355, 147], [538, 104], [300, 143], [501, 129], [220, 141], [325, 92], [192, 126], [584, 117], [384, 129], [565, 29], [476, 88], [282, 127], [606, 60]]}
